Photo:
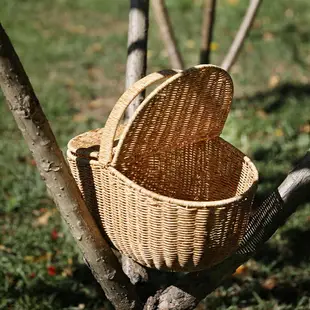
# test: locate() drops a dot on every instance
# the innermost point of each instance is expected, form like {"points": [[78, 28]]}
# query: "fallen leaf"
{"points": [[201, 306], [95, 73], [43, 219], [51, 270], [54, 234], [5, 249], [94, 48], [268, 36], [214, 46], [190, 44], [270, 283], [32, 162], [36, 259], [249, 47], [241, 270], [273, 81], [70, 261], [261, 114], [257, 24], [32, 275], [233, 2], [29, 258], [67, 272], [289, 13], [279, 132], [305, 128], [96, 103], [80, 117], [80, 29], [69, 82]]}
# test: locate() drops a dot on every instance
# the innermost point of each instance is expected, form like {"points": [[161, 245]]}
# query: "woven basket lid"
{"points": [[190, 106]]}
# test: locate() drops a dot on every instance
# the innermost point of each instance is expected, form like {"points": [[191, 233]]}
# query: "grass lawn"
{"points": [[74, 52]]}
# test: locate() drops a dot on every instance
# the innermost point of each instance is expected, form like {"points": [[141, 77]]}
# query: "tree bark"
{"points": [[163, 21], [241, 35], [135, 70], [208, 20], [54, 170], [269, 216], [137, 48]]}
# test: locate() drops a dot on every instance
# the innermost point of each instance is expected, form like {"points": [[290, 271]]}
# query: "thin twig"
{"points": [[241, 34], [163, 21], [136, 48], [54, 170], [207, 30]]}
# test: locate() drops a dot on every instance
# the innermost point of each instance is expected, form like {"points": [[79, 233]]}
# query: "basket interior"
{"points": [[204, 171]]}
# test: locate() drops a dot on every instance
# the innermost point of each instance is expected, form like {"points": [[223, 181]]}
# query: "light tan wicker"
{"points": [[170, 193]]}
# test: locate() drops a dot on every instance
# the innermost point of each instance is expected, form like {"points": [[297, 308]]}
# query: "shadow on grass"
{"points": [[281, 101], [277, 97], [289, 287], [294, 252]]}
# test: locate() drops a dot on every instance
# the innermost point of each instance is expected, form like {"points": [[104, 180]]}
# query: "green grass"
{"points": [[74, 52]]}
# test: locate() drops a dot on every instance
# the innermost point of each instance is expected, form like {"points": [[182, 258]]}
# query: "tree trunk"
{"points": [[56, 174]]}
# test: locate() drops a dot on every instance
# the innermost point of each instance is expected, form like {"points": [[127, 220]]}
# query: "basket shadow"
{"points": [[86, 178], [281, 100], [277, 97]]}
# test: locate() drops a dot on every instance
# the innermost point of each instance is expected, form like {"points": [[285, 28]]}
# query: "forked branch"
{"points": [[241, 34], [54, 170], [164, 23]]}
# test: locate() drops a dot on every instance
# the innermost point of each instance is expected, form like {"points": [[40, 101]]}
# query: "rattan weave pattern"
{"points": [[190, 107], [171, 193]]}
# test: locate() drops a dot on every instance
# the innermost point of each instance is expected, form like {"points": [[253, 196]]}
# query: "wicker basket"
{"points": [[170, 193]]}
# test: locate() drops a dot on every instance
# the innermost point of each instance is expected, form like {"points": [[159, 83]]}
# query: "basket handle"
{"points": [[109, 131]]}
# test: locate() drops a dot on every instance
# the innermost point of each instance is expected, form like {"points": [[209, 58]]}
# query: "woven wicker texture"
{"points": [[171, 193]]}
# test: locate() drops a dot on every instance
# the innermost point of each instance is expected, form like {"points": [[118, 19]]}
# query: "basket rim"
{"points": [[176, 201], [179, 202], [189, 203]]}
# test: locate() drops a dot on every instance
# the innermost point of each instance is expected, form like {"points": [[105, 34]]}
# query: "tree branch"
{"points": [[35, 128], [135, 70], [269, 216], [241, 34], [137, 48], [163, 21], [207, 30]]}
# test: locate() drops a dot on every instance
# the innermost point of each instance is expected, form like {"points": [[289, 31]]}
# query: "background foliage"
{"points": [[74, 52]]}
